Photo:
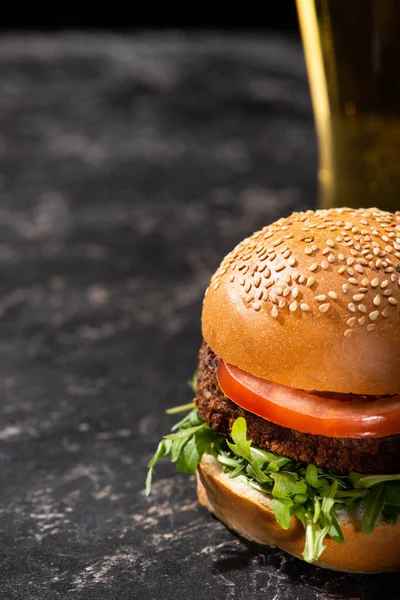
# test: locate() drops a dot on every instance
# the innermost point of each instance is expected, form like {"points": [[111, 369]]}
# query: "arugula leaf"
{"points": [[281, 508], [191, 454], [373, 504], [181, 408], [241, 446], [193, 382], [184, 433], [367, 481], [311, 476], [163, 449], [311, 494], [287, 484]]}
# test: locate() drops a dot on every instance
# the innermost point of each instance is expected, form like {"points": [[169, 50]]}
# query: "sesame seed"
{"points": [[362, 308], [286, 292], [350, 261], [385, 312], [351, 321], [307, 250], [363, 290], [392, 301], [259, 294], [365, 281], [304, 306], [280, 267], [361, 320], [371, 327], [359, 268], [247, 287], [341, 256], [352, 280], [373, 315], [293, 306], [331, 258], [387, 292], [330, 243], [375, 282], [274, 312], [345, 288], [358, 297], [351, 307], [295, 292], [326, 251], [257, 281], [292, 261], [287, 279], [301, 279], [384, 283], [216, 286], [311, 281], [268, 283], [231, 278], [282, 303], [241, 280], [348, 332], [332, 295], [324, 307], [320, 298], [350, 271], [324, 264], [313, 267]]}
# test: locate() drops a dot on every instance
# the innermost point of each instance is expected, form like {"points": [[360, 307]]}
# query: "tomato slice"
{"points": [[308, 413]]}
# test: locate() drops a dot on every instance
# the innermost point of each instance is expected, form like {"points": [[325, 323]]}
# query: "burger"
{"points": [[294, 433]]}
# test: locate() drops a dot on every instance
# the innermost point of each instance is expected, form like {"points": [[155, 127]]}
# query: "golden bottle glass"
{"points": [[352, 51]]}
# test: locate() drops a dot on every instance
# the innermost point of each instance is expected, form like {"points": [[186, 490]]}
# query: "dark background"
{"points": [[276, 15]]}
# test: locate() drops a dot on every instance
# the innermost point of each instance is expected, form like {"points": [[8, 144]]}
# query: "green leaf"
{"points": [[193, 382], [241, 446], [281, 508], [182, 408], [312, 494], [312, 476], [373, 505], [190, 420], [314, 539], [329, 500], [184, 433], [367, 481], [335, 530], [286, 484], [163, 449], [176, 448], [392, 495], [191, 454]]}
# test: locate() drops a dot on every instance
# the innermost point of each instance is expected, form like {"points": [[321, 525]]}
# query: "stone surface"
{"points": [[128, 167]]}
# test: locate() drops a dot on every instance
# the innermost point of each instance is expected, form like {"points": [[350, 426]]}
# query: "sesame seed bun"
{"points": [[312, 302], [248, 512]]}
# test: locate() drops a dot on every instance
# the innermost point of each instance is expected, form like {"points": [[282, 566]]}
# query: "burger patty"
{"points": [[365, 455]]}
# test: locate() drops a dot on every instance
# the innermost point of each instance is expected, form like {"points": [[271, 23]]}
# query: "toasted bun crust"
{"points": [[248, 512], [313, 302]]}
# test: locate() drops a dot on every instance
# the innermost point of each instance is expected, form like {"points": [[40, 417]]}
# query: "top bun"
{"points": [[312, 301]]}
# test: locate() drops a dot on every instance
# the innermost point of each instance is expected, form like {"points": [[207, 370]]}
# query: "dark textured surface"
{"points": [[128, 167]]}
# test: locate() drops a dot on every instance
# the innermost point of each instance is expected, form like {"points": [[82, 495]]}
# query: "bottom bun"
{"points": [[248, 512]]}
